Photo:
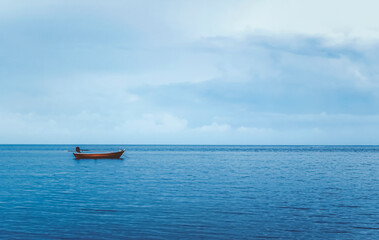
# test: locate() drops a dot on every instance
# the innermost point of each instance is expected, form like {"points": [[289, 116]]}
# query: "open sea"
{"points": [[190, 192]]}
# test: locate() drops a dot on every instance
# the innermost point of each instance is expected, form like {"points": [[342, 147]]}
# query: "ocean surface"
{"points": [[190, 192]]}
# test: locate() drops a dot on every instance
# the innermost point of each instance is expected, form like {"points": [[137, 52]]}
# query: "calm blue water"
{"points": [[190, 192]]}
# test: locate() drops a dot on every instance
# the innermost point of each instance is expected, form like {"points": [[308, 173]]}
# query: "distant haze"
{"points": [[189, 72]]}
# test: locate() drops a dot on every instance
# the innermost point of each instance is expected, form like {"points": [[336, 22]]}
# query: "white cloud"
{"points": [[252, 72], [214, 127], [167, 128], [338, 18], [195, 19], [153, 123], [254, 130]]}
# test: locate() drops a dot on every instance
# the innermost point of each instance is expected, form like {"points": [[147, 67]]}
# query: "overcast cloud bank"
{"points": [[225, 72]]}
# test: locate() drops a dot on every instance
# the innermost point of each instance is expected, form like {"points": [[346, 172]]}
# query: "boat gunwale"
{"points": [[122, 150], [102, 155]]}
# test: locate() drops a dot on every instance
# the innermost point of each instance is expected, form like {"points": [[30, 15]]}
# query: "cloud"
{"points": [[154, 123], [256, 90], [214, 127], [243, 72], [197, 19], [167, 128]]}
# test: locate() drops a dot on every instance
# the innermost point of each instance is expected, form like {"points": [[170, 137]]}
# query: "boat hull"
{"points": [[110, 155]]}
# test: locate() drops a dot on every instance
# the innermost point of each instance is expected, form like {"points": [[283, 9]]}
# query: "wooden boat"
{"points": [[110, 155]]}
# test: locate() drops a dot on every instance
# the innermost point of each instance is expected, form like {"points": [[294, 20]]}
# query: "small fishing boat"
{"points": [[110, 155]]}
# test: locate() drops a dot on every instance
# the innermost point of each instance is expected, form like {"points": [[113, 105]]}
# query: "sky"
{"points": [[189, 72]]}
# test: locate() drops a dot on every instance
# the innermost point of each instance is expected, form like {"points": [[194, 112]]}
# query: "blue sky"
{"points": [[189, 72]]}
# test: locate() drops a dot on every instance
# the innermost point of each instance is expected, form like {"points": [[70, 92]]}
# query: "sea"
{"points": [[190, 192]]}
